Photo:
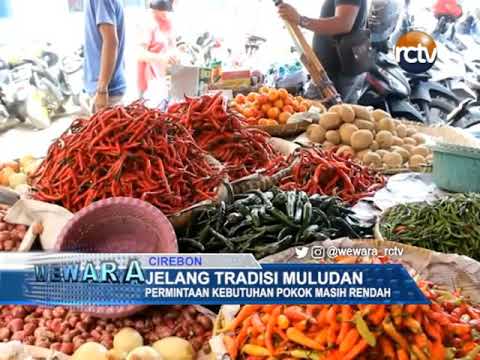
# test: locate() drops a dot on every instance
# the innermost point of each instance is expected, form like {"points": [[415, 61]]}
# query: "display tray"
{"points": [[285, 131], [446, 134]]}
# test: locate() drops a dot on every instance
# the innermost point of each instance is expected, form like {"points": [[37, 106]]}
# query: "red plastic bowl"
{"points": [[117, 225]]}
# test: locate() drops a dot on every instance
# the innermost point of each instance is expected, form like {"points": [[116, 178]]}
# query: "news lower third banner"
{"points": [[167, 279]]}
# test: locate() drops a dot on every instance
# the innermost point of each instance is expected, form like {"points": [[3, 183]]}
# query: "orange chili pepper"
{"points": [[349, 341], [270, 328], [299, 337], [361, 346], [388, 350], [346, 318]]}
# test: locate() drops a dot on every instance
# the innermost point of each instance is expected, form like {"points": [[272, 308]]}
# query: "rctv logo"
{"points": [[416, 52]]}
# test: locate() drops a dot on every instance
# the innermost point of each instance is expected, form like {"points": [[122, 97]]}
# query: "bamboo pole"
{"points": [[312, 64]]}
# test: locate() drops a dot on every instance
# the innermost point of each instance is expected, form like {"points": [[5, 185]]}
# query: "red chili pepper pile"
{"points": [[128, 151], [226, 136], [322, 172]]}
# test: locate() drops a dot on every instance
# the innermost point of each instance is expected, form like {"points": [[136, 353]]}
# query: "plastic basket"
{"points": [[456, 168]]}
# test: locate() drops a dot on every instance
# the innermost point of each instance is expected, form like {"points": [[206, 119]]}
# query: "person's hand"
{"points": [[101, 101], [289, 13], [173, 60]]}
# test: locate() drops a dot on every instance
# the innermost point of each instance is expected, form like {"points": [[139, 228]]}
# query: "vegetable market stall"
{"points": [[242, 191]]}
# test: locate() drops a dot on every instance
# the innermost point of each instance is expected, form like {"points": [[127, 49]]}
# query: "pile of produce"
{"points": [[446, 329], [66, 330], [128, 344], [448, 225], [225, 136], [15, 174], [10, 235], [269, 106], [371, 137], [317, 171], [128, 151], [264, 223]]}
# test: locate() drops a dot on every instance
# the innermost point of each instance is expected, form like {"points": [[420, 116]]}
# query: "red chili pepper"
{"points": [[322, 172], [226, 137], [127, 151]]}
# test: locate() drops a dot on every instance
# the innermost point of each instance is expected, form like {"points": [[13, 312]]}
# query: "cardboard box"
{"points": [[188, 81]]}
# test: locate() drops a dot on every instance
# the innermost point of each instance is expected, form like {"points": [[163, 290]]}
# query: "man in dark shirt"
{"points": [[338, 17]]}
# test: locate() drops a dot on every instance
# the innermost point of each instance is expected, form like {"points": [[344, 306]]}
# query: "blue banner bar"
{"points": [[91, 282]]}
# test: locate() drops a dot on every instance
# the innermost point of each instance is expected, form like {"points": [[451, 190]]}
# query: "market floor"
{"points": [[23, 140]]}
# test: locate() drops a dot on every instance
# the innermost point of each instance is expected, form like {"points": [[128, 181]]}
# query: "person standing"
{"points": [[338, 18], [104, 66], [157, 52]]}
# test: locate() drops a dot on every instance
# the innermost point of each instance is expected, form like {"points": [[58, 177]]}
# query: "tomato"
{"points": [[248, 112], [240, 99], [283, 93], [264, 90], [279, 104], [252, 97], [262, 99], [288, 109], [273, 113], [283, 117], [266, 107], [273, 95]]}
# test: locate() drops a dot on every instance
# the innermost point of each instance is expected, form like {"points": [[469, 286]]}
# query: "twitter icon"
{"points": [[301, 252]]}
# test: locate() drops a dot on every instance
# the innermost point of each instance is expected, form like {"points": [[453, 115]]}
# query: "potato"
{"points": [[5, 175], [327, 145], [386, 124], [32, 167], [419, 139], [345, 150], [417, 161], [410, 141], [364, 124], [384, 139], [144, 353], [408, 147], [421, 150], [374, 146], [361, 139], [345, 111], [362, 112], [346, 131], [411, 131], [316, 133], [115, 354], [17, 179], [333, 136], [174, 348], [429, 158], [127, 339], [372, 159], [397, 141], [402, 131], [26, 160], [404, 153], [361, 154], [15, 166], [330, 121], [381, 153], [380, 114], [90, 351], [392, 160]]}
